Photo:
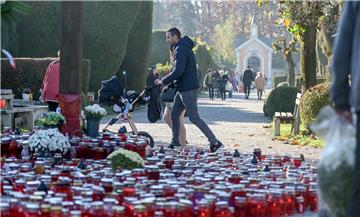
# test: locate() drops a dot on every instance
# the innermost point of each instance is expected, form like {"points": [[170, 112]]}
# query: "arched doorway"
{"points": [[255, 63]]}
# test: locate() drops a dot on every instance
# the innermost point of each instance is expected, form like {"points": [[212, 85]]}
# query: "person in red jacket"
{"points": [[50, 86]]}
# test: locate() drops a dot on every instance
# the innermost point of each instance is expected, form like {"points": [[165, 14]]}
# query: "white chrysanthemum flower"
{"points": [[94, 111], [49, 139]]}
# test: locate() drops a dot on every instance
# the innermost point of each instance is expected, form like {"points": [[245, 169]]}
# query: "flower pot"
{"points": [[26, 96], [92, 127]]}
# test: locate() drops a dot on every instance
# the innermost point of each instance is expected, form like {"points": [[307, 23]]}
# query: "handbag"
{"points": [[168, 94]]}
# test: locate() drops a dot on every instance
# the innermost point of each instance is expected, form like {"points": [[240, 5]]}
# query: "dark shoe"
{"points": [[215, 147], [173, 145]]}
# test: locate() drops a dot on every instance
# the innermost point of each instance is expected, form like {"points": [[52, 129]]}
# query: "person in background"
{"points": [[247, 79], [346, 97], [232, 79], [208, 83], [216, 84], [50, 85], [223, 81], [259, 85]]}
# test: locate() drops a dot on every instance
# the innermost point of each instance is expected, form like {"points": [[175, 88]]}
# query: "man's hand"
{"points": [[345, 114], [158, 82]]}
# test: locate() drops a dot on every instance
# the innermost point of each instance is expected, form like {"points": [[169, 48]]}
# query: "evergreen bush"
{"points": [[312, 101], [280, 99]]}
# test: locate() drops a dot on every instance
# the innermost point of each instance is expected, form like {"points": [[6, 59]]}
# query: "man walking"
{"points": [[247, 79], [184, 72], [346, 65]]}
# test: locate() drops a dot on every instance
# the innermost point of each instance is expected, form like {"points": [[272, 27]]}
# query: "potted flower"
{"points": [[48, 141], [125, 159], [93, 114], [27, 94], [52, 120]]}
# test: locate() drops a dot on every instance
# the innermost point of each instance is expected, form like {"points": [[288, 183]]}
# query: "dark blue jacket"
{"points": [[346, 59], [184, 71], [248, 77]]}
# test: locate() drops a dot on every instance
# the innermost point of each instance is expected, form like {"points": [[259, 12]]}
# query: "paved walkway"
{"points": [[237, 122]]}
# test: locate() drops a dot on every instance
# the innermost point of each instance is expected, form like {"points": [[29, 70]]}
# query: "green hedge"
{"points": [[106, 28], [39, 32], [279, 79], [159, 48], [280, 99], [312, 101], [138, 48], [30, 73]]}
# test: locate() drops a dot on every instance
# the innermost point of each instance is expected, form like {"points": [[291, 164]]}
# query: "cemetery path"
{"points": [[238, 123]]}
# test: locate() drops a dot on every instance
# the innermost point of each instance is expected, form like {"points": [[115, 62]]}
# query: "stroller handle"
{"points": [[152, 86], [127, 106]]}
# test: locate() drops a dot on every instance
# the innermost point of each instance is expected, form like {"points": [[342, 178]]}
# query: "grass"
{"points": [[304, 137]]}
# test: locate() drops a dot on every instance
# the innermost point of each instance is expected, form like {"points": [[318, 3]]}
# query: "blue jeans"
{"points": [[188, 100]]}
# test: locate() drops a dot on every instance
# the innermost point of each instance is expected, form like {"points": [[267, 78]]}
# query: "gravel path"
{"points": [[237, 122]]}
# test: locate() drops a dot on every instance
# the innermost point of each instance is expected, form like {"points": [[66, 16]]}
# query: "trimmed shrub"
{"points": [[160, 52], [106, 28], [285, 83], [279, 79], [138, 48], [312, 101], [106, 31], [280, 99], [30, 73], [39, 33], [298, 81]]}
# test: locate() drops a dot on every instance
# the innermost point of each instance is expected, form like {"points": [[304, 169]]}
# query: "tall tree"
{"points": [[301, 18], [287, 47], [328, 23]]}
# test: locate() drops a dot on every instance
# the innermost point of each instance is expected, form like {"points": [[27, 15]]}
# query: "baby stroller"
{"points": [[110, 94]]}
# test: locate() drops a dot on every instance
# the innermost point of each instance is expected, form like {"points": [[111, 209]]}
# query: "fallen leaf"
{"points": [[295, 142], [251, 134], [236, 145]]}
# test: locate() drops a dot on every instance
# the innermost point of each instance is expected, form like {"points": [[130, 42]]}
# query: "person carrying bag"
{"points": [[168, 93]]}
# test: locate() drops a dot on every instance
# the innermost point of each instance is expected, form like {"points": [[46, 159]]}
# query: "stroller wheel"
{"points": [[147, 135]]}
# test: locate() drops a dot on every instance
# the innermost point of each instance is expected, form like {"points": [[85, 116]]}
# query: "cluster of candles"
{"points": [[12, 145], [186, 182]]}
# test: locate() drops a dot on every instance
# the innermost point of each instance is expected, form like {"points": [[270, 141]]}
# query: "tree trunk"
{"points": [[308, 57], [71, 47], [291, 66], [70, 64], [326, 44]]}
